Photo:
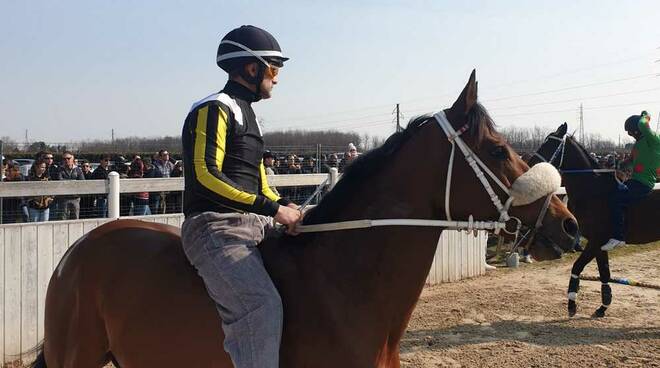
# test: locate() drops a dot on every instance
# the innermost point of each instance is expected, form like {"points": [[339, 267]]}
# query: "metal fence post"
{"points": [[2, 174], [334, 176], [113, 194]]}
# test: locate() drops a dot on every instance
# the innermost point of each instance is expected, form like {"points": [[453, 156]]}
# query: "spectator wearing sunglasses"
{"points": [[69, 205], [52, 170]]}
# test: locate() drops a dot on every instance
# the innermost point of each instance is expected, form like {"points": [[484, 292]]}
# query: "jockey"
{"points": [[646, 164], [228, 204]]}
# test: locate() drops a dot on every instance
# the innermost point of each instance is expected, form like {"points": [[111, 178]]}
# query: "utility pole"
{"points": [[398, 123], [2, 174], [397, 111], [581, 129], [27, 143]]}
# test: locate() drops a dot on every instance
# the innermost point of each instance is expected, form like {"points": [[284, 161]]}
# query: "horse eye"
{"points": [[499, 152]]}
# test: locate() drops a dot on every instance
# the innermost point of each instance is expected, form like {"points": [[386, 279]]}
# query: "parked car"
{"points": [[24, 161]]}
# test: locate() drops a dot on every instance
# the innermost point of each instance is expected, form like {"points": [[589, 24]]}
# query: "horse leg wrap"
{"points": [[572, 308], [600, 312], [606, 297], [573, 287]]}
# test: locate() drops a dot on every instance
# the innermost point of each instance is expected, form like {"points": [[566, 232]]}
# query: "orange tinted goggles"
{"points": [[272, 71]]}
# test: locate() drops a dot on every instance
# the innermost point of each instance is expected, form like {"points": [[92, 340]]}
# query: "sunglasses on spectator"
{"points": [[68, 158], [49, 157]]}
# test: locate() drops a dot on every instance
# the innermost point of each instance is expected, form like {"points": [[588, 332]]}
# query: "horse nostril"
{"points": [[570, 227]]}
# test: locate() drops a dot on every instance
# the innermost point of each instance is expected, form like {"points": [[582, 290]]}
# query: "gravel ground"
{"points": [[518, 318]]}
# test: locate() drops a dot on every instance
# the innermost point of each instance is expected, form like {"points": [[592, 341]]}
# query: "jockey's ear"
{"points": [[468, 98]]}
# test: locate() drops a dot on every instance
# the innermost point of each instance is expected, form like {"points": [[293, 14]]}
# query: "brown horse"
{"points": [[589, 194], [126, 293]]}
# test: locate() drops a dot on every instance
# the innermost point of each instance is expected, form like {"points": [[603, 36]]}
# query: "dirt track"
{"points": [[517, 318]]}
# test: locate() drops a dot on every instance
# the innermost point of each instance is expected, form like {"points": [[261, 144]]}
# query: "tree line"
{"points": [[523, 139]]}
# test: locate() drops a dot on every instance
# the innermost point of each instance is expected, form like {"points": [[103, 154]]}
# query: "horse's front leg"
{"points": [[574, 283], [605, 290]]}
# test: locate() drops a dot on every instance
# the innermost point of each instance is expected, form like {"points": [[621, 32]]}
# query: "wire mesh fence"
{"points": [[72, 207]]}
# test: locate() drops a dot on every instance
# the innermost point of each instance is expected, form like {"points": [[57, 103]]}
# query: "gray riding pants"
{"points": [[223, 249]]}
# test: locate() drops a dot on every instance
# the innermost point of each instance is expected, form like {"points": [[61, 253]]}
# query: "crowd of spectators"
{"points": [[69, 207], [159, 165], [291, 163]]}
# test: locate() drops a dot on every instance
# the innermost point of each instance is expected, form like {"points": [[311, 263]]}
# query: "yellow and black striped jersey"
{"points": [[222, 153]]}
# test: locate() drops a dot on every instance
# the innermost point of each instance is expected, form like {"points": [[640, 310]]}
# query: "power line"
{"points": [[325, 122], [577, 99], [491, 100], [573, 109], [332, 113], [637, 57], [575, 87], [573, 71]]}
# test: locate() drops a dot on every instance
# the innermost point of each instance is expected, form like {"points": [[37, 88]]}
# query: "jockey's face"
{"points": [[635, 134], [267, 83]]}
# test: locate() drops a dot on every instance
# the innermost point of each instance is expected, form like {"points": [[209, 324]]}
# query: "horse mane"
{"points": [[360, 171], [602, 181], [593, 164], [482, 126]]}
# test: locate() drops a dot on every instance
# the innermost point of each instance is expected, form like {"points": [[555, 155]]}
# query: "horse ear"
{"points": [[561, 131], [468, 97]]}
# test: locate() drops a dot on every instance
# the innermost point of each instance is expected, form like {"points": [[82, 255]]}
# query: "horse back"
{"points": [[643, 220], [134, 281]]}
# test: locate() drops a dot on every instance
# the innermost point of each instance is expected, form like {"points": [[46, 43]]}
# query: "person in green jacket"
{"points": [[645, 160]]}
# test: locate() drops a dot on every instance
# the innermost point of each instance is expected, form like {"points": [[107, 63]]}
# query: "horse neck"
{"points": [[588, 196], [380, 272]]}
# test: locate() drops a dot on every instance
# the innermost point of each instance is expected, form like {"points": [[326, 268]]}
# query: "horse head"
{"points": [[550, 150], [530, 189]]}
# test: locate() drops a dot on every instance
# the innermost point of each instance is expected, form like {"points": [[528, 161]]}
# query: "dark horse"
{"points": [[589, 195], [126, 293]]}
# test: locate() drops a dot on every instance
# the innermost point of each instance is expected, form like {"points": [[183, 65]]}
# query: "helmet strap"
{"points": [[256, 80]]}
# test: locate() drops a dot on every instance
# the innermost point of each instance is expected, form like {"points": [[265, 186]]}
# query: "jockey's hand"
{"points": [[621, 175], [288, 216]]}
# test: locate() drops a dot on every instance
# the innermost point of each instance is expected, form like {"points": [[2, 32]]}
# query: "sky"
{"points": [[76, 70]]}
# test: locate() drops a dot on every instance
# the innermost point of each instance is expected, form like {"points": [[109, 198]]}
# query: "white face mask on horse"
{"points": [[539, 181]]}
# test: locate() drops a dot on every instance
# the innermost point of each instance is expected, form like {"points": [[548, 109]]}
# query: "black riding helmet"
{"points": [[632, 123], [248, 44]]}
